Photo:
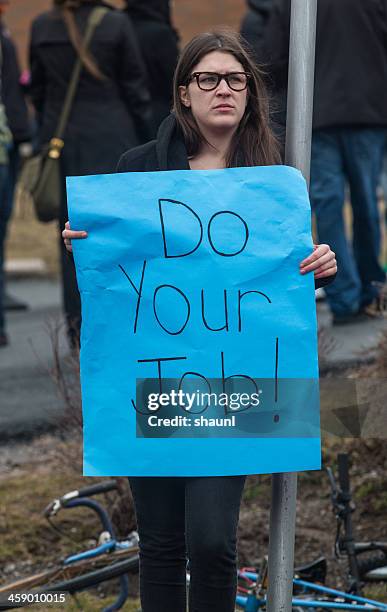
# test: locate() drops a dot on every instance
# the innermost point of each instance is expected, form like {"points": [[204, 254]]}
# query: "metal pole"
{"points": [[300, 85], [297, 154]]}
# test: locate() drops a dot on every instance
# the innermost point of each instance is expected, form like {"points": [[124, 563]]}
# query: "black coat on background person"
{"points": [[12, 93], [108, 116], [351, 60], [158, 43], [254, 23]]}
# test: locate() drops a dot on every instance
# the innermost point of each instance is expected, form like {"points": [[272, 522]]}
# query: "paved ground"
{"points": [[348, 345], [28, 396]]}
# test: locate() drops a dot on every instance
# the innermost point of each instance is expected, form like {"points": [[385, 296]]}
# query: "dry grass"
{"points": [[88, 603], [25, 535], [32, 476], [29, 238]]}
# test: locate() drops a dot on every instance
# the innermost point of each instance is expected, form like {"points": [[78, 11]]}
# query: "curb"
{"points": [[28, 267], [339, 366]]}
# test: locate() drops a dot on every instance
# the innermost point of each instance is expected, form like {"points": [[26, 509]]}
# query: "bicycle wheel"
{"points": [[79, 575], [372, 563], [91, 579]]}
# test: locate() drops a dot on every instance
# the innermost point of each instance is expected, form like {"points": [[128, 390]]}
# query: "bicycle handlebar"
{"points": [[62, 502], [371, 546], [101, 487], [97, 508]]}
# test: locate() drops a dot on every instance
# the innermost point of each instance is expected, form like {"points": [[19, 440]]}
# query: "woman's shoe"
{"points": [[378, 307]]}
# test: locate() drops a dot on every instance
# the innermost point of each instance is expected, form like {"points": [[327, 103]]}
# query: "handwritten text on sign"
{"points": [[197, 326]]}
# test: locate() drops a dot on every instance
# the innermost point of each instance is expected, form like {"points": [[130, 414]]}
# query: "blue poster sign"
{"points": [[199, 339]]}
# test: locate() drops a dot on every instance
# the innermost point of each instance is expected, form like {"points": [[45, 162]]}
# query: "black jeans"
{"points": [[70, 294], [194, 518]]}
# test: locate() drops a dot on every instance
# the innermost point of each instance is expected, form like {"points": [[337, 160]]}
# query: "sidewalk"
{"points": [[29, 399], [348, 345]]}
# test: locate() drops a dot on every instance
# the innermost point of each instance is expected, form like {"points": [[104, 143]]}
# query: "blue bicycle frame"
{"points": [[251, 603]]}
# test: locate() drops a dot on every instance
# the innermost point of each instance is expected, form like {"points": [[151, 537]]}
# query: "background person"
{"points": [[5, 144], [349, 136], [158, 42], [18, 121], [111, 111], [220, 119], [254, 23]]}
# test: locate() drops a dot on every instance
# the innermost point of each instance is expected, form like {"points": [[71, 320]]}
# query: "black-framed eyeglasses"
{"points": [[207, 81]]}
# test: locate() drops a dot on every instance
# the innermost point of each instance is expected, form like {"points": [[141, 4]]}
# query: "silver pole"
{"points": [[281, 542], [300, 85], [297, 154]]}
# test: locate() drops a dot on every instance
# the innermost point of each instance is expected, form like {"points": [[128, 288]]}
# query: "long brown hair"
{"points": [[253, 143], [67, 8]]}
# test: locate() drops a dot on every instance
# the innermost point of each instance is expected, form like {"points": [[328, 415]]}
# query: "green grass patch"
{"points": [[24, 532], [88, 602], [376, 591]]}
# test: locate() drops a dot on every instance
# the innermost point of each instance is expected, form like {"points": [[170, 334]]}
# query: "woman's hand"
{"points": [[68, 235], [322, 261]]}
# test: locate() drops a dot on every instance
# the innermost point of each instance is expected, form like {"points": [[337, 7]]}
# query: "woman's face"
{"points": [[221, 109]]}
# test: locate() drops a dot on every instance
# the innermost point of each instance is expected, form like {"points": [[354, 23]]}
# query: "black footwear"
{"points": [[3, 339], [374, 311], [377, 309], [11, 303], [351, 317]]}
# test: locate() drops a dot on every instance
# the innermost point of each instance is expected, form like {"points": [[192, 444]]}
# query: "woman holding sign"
{"points": [[220, 119]]}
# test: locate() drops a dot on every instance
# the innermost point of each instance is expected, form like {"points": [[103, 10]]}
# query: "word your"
{"points": [[182, 305]]}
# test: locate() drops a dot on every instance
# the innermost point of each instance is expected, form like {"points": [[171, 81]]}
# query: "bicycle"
{"points": [[362, 569], [111, 558], [307, 595], [73, 574], [309, 590]]}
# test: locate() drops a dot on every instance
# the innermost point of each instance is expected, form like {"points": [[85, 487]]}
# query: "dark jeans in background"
{"points": [[354, 155], [71, 298], [70, 293], [194, 518], [7, 192], [5, 213]]}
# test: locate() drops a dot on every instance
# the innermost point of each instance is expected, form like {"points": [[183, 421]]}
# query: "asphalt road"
{"points": [[29, 399]]}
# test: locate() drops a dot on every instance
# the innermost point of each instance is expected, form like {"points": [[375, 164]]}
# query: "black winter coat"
{"points": [[107, 117], [351, 60], [167, 152], [12, 93], [254, 24], [158, 44]]}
